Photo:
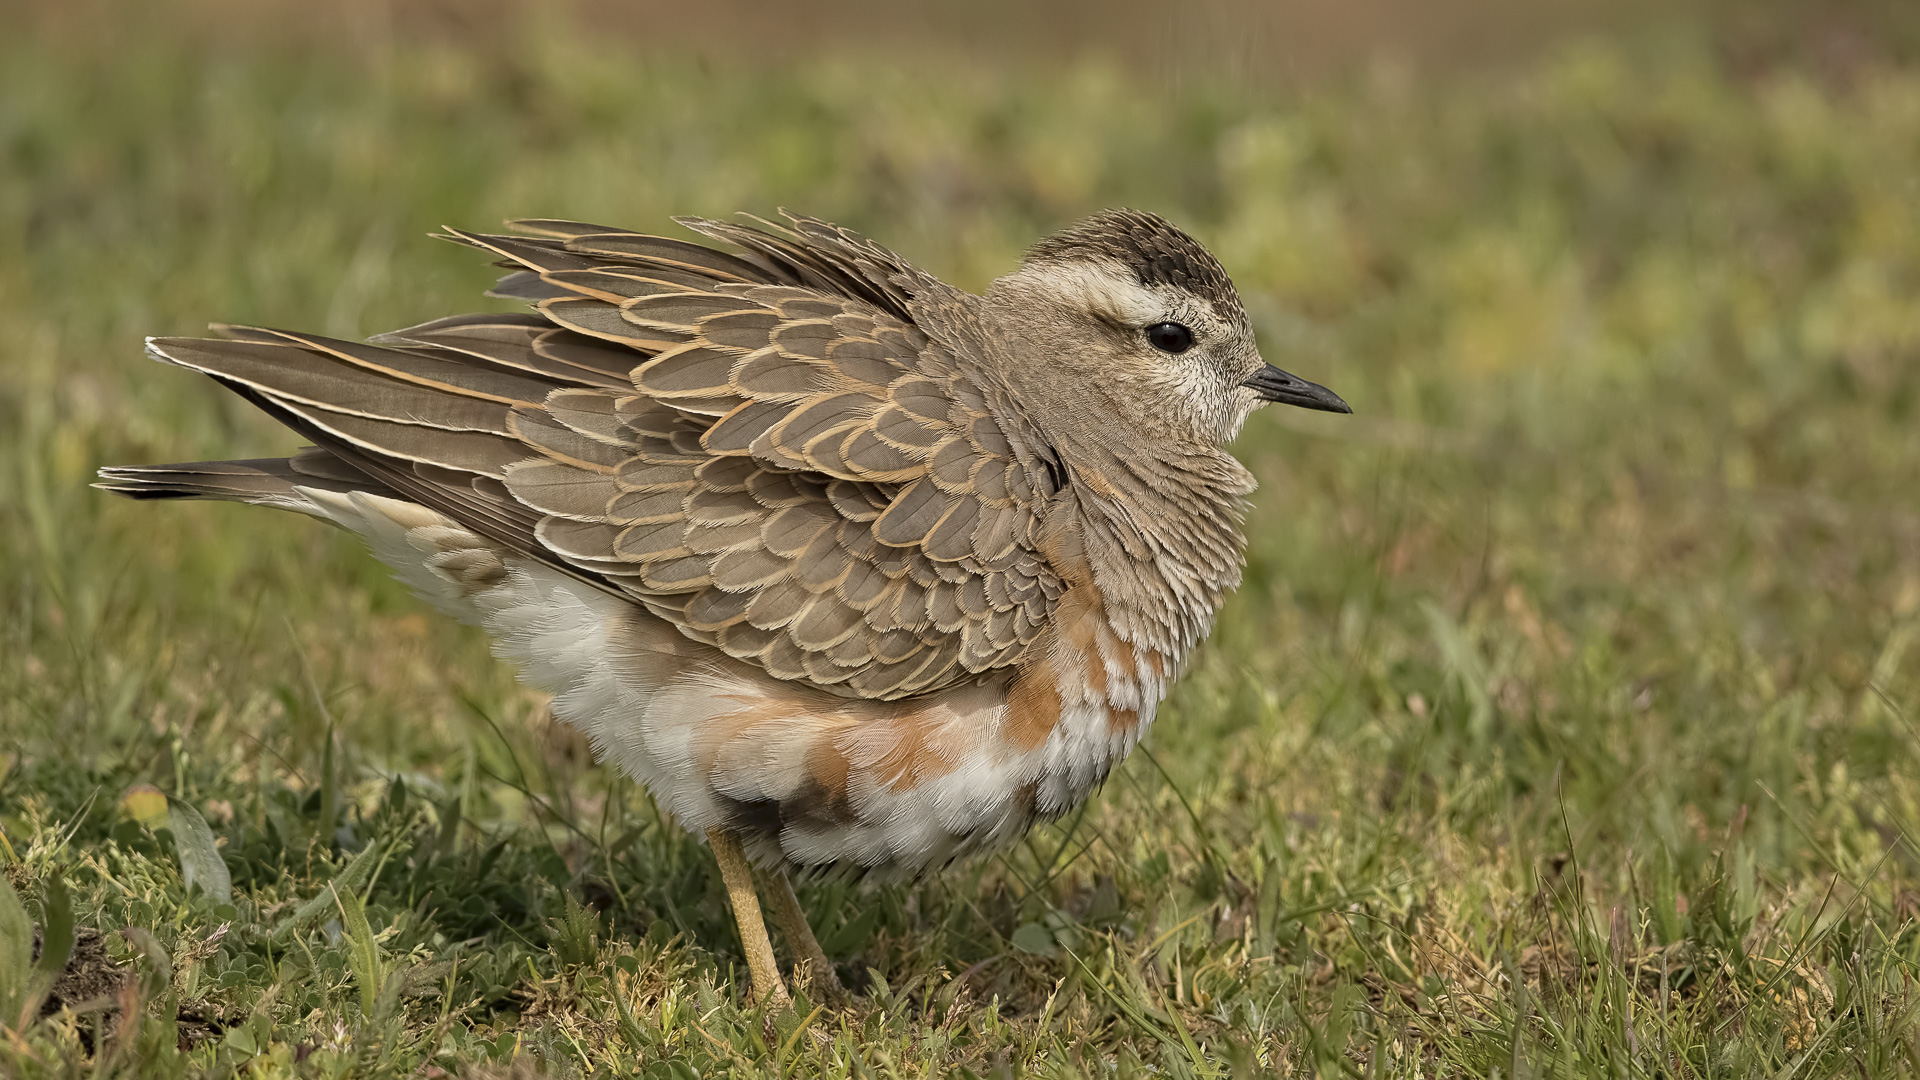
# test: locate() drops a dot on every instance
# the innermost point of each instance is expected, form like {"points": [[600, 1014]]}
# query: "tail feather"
{"points": [[269, 481]]}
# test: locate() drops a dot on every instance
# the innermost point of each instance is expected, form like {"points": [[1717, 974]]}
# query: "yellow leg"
{"points": [[807, 953], [738, 876]]}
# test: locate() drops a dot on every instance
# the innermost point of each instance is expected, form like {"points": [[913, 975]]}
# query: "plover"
{"points": [[848, 566]]}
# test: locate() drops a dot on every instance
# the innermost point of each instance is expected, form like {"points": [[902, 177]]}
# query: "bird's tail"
{"points": [[264, 481]]}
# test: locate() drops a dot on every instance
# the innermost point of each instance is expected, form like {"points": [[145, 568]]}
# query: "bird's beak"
{"points": [[1272, 384]]}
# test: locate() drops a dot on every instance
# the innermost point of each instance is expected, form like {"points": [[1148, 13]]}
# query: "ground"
{"points": [[1564, 724]]}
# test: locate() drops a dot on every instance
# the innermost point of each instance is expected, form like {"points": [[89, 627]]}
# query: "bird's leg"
{"points": [[738, 876], [794, 927]]}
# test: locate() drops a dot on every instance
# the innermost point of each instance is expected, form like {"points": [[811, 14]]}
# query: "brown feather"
{"points": [[762, 447]]}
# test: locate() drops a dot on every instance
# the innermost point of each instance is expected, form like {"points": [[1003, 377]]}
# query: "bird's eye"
{"points": [[1170, 337]]}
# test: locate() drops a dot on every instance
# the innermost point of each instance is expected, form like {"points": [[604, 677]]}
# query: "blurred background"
{"points": [[1161, 43], [1618, 560]]}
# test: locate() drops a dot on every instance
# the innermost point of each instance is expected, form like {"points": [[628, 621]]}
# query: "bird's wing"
{"points": [[761, 448]]}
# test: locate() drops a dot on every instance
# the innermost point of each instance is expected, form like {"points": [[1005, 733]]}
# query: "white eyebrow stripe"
{"points": [[1108, 290]]}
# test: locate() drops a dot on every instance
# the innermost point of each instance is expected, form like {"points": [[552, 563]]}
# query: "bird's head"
{"points": [[1128, 312]]}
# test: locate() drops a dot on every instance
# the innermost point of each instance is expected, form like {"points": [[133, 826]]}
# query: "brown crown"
{"points": [[1155, 250]]}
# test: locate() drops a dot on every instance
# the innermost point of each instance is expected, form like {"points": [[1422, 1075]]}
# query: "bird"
{"points": [[850, 568]]}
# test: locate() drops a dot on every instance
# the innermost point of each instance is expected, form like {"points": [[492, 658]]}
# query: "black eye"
{"points": [[1170, 337]]}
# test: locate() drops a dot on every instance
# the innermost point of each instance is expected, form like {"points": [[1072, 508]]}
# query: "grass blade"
{"points": [[348, 880], [56, 934], [364, 956], [16, 955], [200, 859]]}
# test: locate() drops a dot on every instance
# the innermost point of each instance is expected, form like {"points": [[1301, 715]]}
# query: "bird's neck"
{"points": [[1160, 527]]}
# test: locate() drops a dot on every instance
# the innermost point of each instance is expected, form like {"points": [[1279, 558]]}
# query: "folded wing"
{"points": [[761, 448]]}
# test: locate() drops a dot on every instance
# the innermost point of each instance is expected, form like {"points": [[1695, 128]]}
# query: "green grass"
{"points": [[1565, 724]]}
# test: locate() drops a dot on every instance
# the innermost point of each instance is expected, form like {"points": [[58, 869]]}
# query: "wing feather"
{"points": [[763, 448]]}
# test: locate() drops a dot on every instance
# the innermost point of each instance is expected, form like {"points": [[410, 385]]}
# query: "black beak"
{"points": [[1272, 384]]}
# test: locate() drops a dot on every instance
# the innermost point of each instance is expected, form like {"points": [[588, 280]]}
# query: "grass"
{"points": [[1564, 725]]}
